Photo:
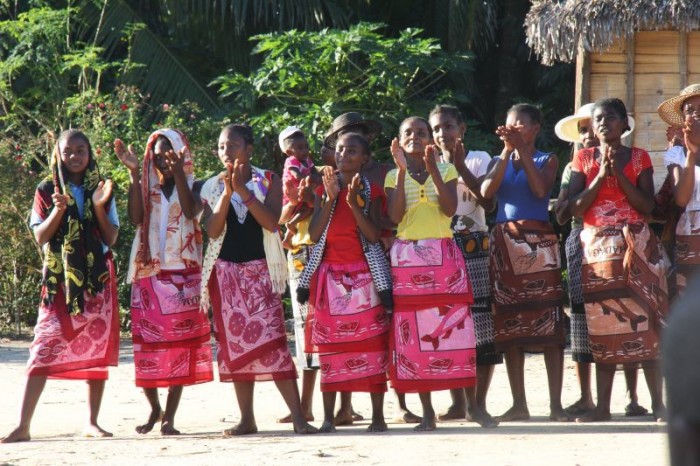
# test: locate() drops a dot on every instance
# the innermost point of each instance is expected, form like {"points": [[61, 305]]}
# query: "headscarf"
{"points": [[74, 257], [183, 237]]}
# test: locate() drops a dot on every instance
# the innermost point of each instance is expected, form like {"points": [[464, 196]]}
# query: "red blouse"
{"points": [[611, 206], [343, 243]]}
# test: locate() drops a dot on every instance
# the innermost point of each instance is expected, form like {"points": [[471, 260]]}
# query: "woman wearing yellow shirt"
{"points": [[432, 342]]}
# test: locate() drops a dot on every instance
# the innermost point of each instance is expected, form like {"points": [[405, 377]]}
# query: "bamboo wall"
{"points": [[643, 72]]}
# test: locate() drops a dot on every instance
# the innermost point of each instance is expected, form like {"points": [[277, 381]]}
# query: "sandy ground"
{"points": [[207, 409]]}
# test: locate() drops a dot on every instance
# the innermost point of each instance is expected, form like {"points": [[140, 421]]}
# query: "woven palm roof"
{"points": [[555, 28]]}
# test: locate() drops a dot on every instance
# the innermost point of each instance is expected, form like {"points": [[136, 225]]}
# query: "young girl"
{"points": [[624, 267], [169, 331], [432, 342], [349, 317], [74, 218], [471, 235], [245, 272]]}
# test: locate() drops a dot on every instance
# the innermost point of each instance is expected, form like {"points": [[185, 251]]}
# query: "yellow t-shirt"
{"points": [[423, 218], [302, 235]]}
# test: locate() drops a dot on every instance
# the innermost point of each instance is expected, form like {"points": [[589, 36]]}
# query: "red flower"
{"points": [[102, 105], [124, 107], [166, 107], [18, 147], [98, 151], [89, 106]]}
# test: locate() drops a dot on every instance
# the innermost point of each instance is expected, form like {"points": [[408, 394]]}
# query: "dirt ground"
{"points": [[207, 409]]}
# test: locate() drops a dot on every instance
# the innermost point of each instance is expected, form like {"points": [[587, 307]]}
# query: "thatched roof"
{"points": [[555, 28]]}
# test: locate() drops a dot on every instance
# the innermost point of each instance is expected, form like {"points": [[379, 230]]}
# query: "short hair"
{"points": [[411, 118], [530, 110], [364, 143], [288, 141], [614, 104], [244, 131], [449, 110]]}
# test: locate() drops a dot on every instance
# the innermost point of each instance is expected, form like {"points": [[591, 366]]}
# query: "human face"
{"points": [[529, 129], [328, 156], [299, 149], [159, 158], [350, 155], [232, 147], [585, 133], [446, 131], [414, 136], [607, 124], [691, 107], [75, 155]]}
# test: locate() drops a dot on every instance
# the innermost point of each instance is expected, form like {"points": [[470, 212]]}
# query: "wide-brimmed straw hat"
{"points": [[566, 129], [347, 120], [670, 110]]}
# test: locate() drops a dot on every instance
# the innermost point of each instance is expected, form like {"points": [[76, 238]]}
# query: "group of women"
{"points": [[394, 276]]}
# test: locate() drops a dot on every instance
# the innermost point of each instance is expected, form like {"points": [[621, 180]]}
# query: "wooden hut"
{"points": [[641, 51]]}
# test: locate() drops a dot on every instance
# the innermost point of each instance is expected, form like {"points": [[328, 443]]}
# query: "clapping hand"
{"points": [[399, 155], [126, 157], [102, 193], [330, 183]]}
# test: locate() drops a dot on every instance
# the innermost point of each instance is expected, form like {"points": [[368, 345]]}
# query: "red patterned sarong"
{"points": [[249, 324], [687, 248], [527, 289], [169, 331], [78, 346], [432, 339], [624, 287], [350, 328]]}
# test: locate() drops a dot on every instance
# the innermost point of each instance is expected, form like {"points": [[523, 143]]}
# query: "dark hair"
{"points": [[162, 138], [69, 134], [449, 110], [359, 139], [243, 131], [614, 104], [288, 141], [528, 109], [411, 118]]}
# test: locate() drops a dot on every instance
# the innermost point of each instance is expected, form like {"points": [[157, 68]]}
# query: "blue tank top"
{"points": [[515, 199]]}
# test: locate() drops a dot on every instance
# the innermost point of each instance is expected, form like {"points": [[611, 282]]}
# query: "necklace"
{"points": [[417, 173]]}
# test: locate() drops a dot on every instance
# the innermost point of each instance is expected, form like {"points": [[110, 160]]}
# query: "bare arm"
{"points": [[561, 208], [100, 197], [215, 218], [540, 181], [48, 228], [367, 225], [396, 196], [472, 182], [131, 162], [322, 212], [190, 208], [494, 177], [446, 192]]}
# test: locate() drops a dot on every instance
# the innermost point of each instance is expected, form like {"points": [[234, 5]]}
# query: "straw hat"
{"points": [[347, 120], [566, 129], [670, 110]]}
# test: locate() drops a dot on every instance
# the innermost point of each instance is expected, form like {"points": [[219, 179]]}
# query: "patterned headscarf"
{"points": [[74, 257], [183, 237]]}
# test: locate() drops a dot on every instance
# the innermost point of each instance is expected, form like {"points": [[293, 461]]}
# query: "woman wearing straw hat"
{"points": [[577, 128], [623, 272], [683, 112]]}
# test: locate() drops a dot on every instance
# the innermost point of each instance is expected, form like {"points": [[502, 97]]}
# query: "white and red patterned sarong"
{"points": [[77, 346], [432, 342], [169, 331], [350, 328], [249, 324]]}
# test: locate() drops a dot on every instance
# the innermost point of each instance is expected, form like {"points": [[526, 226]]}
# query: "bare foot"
{"points": [[514, 414], [327, 427], [288, 419], [580, 408], [377, 426], [407, 417], [452, 414], [95, 431], [305, 428], [344, 419], [155, 416], [559, 415], [426, 425], [20, 434], [481, 417], [241, 429], [659, 413], [595, 416], [357, 416], [168, 428]]}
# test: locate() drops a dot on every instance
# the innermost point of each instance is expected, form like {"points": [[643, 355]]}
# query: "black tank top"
{"points": [[243, 241]]}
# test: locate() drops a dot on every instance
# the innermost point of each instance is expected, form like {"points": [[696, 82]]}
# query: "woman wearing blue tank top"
{"points": [[525, 263]]}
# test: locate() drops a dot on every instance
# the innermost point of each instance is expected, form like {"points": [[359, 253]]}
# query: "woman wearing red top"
{"points": [[350, 289], [623, 272]]}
